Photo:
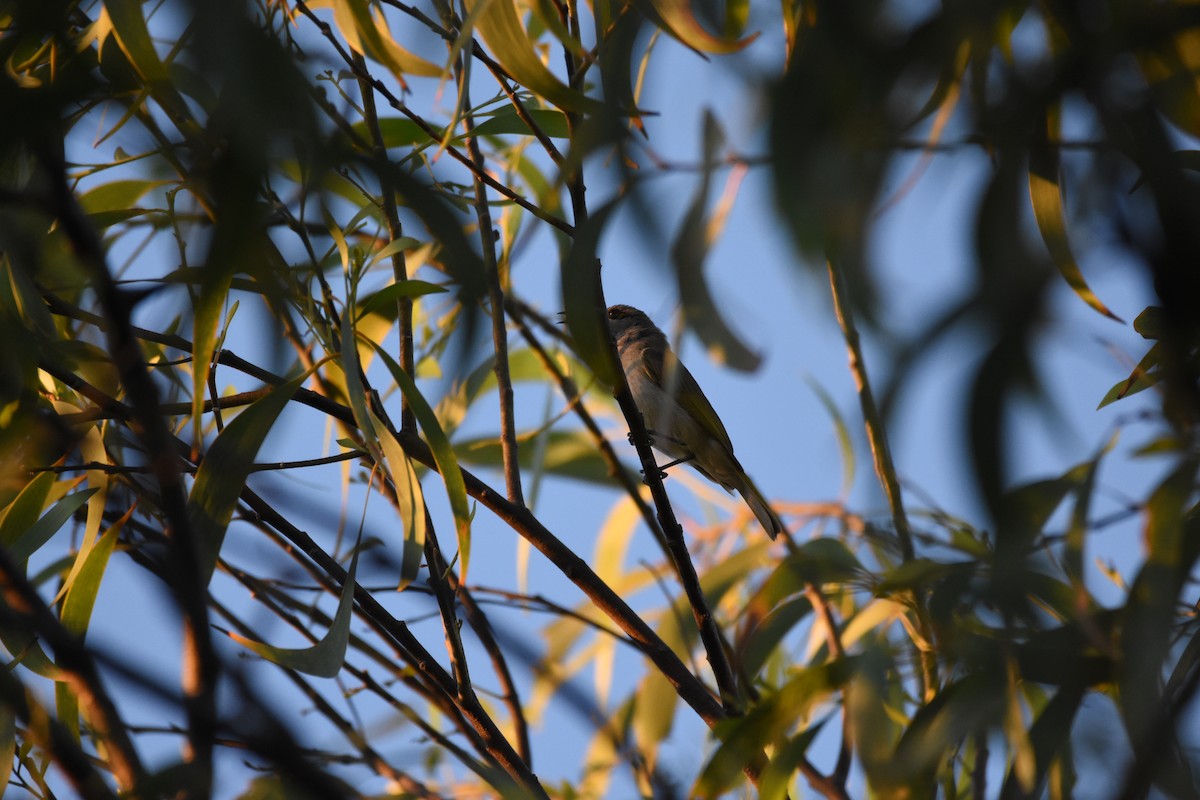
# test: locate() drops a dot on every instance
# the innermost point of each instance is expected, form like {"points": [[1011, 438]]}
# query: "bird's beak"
{"points": [[562, 318]]}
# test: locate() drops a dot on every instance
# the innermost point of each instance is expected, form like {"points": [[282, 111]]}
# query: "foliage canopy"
{"points": [[366, 180]]}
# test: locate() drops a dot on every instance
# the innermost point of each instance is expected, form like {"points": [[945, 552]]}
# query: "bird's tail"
{"points": [[766, 515]]}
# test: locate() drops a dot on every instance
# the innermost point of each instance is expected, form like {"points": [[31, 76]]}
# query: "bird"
{"points": [[681, 421]]}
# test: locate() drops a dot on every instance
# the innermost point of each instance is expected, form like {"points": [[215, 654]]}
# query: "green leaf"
{"points": [[505, 121], [222, 475], [963, 706], [81, 594], [443, 456], [397, 132], [768, 722], [762, 640], [396, 291], [8, 742], [697, 233], [40, 532], [325, 658], [135, 42], [1144, 376], [25, 508], [568, 454], [1045, 193], [116, 195]]}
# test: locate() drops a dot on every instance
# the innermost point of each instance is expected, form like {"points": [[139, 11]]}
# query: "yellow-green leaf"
{"points": [[500, 25], [443, 455], [410, 499], [1045, 194]]}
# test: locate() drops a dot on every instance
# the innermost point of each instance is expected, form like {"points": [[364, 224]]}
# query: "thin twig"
{"points": [[404, 305], [495, 290]]}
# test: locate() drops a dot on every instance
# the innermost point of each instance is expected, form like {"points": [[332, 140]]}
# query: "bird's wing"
{"points": [[687, 391]]}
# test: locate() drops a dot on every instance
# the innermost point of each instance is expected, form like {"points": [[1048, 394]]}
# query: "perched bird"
{"points": [[681, 421]]}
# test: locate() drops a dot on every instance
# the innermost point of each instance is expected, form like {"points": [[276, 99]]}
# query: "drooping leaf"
{"points": [[369, 35], [500, 25], [325, 658], [133, 36], [222, 475], [410, 501], [443, 455], [1045, 193], [697, 234], [678, 18]]}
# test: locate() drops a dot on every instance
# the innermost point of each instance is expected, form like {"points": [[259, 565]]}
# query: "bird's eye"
{"points": [[612, 313]]}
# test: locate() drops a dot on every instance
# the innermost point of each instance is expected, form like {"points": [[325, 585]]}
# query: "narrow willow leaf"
{"points": [[785, 763], [66, 706], [550, 122], [399, 246], [443, 456], [1045, 193], [767, 722], [1149, 613], [845, 442], [960, 708], [91, 448], [678, 18], [410, 501], [500, 25], [567, 454], [37, 534], [770, 631], [222, 475], [25, 508], [1144, 376], [1023, 757], [133, 36], [695, 238], [388, 295], [1050, 739], [613, 539], [325, 658], [81, 592], [352, 371], [215, 281], [116, 195], [396, 132], [369, 35], [654, 712]]}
